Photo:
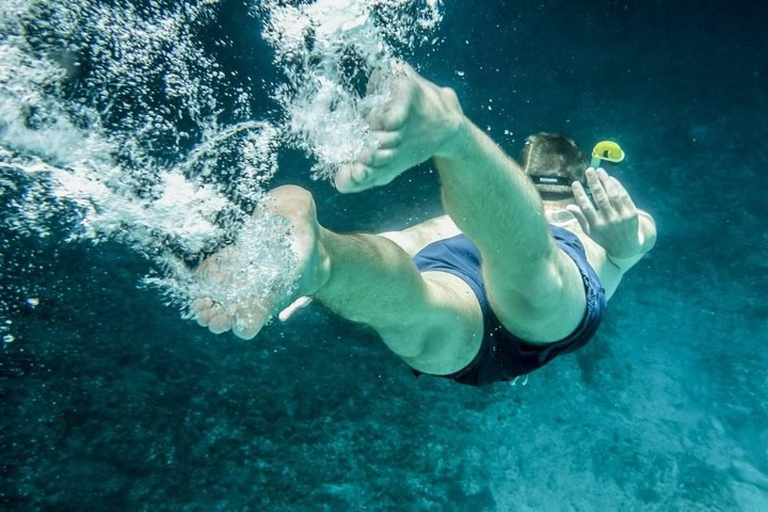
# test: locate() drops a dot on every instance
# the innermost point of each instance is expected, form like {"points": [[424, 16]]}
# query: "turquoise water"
{"points": [[112, 401]]}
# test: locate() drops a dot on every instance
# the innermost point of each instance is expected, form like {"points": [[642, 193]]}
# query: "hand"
{"points": [[288, 312], [613, 222]]}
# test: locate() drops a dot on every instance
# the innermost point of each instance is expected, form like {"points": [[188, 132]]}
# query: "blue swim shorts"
{"points": [[502, 355]]}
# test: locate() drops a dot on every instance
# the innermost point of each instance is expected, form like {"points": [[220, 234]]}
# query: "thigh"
{"points": [[449, 333], [544, 305]]}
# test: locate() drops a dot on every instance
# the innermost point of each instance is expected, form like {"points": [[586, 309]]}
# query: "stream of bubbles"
{"points": [[117, 124]]}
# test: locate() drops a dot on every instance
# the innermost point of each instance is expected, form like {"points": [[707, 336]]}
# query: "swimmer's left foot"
{"points": [[248, 316], [418, 122]]}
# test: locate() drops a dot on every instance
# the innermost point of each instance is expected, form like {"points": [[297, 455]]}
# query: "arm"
{"points": [[647, 237], [614, 222]]}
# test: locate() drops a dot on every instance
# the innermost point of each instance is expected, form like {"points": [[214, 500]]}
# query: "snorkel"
{"points": [[606, 150], [560, 162]]}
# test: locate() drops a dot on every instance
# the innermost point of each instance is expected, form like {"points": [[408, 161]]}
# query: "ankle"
{"points": [[323, 259], [456, 140], [331, 246], [454, 125]]}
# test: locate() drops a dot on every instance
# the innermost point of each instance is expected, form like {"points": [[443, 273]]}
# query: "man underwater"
{"points": [[517, 272]]}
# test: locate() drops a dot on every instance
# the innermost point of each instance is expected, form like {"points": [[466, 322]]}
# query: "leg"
{"points": [[432, 320], [534, 288]]}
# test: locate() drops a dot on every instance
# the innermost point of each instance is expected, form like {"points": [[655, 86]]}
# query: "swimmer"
{"points": [[517, 272]]}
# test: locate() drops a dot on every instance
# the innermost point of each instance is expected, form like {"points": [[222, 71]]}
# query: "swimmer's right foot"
{"points": [[418, 122], [246, 319]]}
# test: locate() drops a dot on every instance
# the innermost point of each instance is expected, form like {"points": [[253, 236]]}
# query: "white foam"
{"points": [[315, 45], [105, 145]]}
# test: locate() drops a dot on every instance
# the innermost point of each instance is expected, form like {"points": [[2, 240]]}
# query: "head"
{"points": [[553, 162]]}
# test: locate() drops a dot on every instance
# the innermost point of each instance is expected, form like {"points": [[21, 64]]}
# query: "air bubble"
{"points": [[166, 170]]}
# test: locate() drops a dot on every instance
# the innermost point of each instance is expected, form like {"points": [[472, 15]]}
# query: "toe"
{"points": [[203, 309], [379, 158], [201, 304], [352, 178], [247, 325], [250, 318], [203, 318], [219, 322], [387, 140]]}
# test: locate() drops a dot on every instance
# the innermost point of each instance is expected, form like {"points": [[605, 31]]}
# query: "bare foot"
{"points": [[248, 314], [417, 123]]}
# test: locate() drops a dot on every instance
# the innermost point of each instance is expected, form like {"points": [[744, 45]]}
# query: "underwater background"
{"points": [[111, 401]]}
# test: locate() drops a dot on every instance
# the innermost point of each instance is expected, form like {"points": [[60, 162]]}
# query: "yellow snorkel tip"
{"points": [[606, 150]]}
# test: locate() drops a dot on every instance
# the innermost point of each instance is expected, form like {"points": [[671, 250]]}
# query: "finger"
{"points": [[288, 312], [576, 211], [605, 180], [615, 191], [584, 203], [612, 188], [598, 191], [609, 184], [623, 197]]}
